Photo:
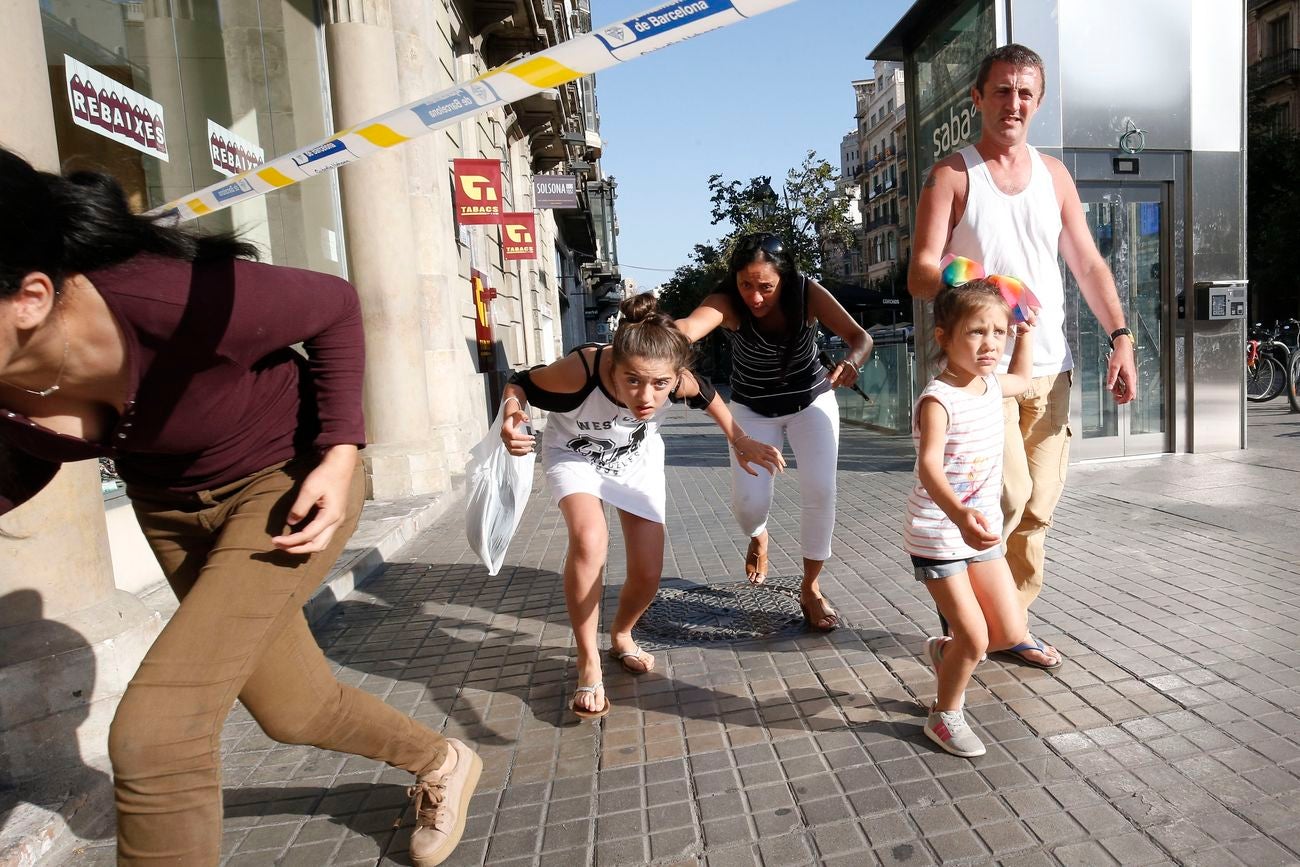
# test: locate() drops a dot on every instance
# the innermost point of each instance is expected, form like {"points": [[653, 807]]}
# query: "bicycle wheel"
{"points": [[1293, 381], [1265, 379]]}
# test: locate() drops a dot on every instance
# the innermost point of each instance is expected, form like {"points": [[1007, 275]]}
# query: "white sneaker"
{"points": [[948, 729]]}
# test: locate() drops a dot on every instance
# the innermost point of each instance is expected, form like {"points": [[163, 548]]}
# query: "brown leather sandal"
{"points": [[755, 563]]}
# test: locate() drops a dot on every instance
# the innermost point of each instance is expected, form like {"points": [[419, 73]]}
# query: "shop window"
{"points": [[171, 96], [946, 62]]}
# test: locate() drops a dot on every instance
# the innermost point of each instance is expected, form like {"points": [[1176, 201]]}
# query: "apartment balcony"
{"points": [[1273, 69]]}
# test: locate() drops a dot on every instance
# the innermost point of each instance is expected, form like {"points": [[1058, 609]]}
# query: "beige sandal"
{"points": [[621, 657], [582, 712]]}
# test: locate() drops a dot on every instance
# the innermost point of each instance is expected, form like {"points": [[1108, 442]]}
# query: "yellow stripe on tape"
{"points": [[381, 135], [274, 177], [197, 206], [543, 72]]}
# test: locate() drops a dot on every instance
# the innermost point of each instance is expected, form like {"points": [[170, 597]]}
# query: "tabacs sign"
{"points": [[231, 154], [113, 110], [478, 192], [555, 191], [518, 236]]}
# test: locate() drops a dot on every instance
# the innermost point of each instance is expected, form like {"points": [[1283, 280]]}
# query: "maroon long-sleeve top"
{"points": [[216, 389]]}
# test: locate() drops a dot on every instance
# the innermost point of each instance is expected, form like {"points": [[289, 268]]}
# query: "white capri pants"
{"points": [[814, 435]]}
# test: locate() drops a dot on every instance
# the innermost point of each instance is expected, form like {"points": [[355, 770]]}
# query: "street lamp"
{"points": [[767, 201]]}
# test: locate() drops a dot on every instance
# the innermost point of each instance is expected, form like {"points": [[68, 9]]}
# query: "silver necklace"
{"points": [[46, 392]]}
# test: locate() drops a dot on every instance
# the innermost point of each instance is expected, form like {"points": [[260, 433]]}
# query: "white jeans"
{"points": [[814, 435]]}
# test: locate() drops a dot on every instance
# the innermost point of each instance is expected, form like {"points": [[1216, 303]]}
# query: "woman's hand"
{"points": [[975, 530], [751, 451], [844, 374], [324, 492], [514, 431]]}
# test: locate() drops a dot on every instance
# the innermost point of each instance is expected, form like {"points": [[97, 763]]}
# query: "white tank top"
{"points": [[1019, 236]]}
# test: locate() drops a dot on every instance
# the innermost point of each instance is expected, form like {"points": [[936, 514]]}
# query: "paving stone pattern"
{"points": [[1170, 736]]}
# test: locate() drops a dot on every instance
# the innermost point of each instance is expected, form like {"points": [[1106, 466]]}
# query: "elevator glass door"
{"points": [[1130, 227]]}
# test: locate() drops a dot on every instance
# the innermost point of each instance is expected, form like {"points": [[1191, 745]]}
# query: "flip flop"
{"points": [[621, 657], [1032, 643], [583, 713], [829, 614], [756, 563]]}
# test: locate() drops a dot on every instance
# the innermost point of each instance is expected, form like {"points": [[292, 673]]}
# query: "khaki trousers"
{"points": [[1035, 458], [239, 632]]}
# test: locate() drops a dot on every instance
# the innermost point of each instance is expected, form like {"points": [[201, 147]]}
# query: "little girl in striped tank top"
{"points": [[953, 529]]}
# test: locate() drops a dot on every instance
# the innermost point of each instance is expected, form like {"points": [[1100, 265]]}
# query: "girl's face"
{"points": [[760, 287], [976, 343], [643, 384]]}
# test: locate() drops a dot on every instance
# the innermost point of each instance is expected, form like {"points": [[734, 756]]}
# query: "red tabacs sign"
{"points": [[519, 236], [110, 108], [478, 192]]}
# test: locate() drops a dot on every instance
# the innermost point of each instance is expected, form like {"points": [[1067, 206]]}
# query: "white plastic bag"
{"points": [[499, 484]]}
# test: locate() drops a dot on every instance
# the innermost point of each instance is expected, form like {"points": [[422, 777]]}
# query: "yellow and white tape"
{"points": [[583, 55]]}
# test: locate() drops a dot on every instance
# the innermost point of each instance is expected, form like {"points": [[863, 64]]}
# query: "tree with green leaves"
{"points": [[810, 212]]}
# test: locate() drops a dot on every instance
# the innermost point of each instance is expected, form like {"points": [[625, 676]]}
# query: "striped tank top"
{"points": [[972, 464], [777, 376]]}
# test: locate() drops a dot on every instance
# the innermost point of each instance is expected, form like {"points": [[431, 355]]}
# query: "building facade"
{"points": [[218, 86], [882, 199], [1273, 62], [842, 263]]}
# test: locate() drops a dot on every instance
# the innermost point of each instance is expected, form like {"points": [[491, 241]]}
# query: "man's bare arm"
{"points": [[934, 222]]}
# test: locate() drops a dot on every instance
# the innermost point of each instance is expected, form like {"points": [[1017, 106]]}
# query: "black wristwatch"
{"points": [[1122, 332]]}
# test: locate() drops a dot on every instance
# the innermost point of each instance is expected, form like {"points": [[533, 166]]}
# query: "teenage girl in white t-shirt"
{"points": [[602, 446], [954, 518]]}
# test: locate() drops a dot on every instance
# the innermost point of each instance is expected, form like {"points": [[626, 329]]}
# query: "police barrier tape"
{"points": [[583, 55]]}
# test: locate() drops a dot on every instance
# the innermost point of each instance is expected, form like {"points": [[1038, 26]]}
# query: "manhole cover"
{"points": [[739, 611]]}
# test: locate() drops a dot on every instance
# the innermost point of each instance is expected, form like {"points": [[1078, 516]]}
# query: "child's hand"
{"points": [[975, 530], [1031, 319]]}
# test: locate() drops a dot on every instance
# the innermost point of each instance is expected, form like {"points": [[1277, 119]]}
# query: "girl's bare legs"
{"points": [[584, 515], [960, 607], [645, 565], [1004, 611], [984, 612]]}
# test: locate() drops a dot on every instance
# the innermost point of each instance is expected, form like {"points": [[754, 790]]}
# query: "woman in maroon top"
{"points": [[172, 353]]}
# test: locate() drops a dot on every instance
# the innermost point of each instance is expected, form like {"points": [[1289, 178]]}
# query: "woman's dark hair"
{"points": [[63, 225], [770, 248], [647, 332]]}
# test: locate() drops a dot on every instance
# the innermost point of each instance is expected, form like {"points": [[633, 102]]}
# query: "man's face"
{"points": [[1010, 98]]}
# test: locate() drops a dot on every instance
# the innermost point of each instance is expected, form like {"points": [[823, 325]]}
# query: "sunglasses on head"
{"points": [[769, 243]]}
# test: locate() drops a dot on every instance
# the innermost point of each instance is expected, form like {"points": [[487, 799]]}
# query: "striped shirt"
{"points": [[776, 376], [972, 464]]}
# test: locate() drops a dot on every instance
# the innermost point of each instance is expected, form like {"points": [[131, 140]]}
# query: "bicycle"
{"points": [[1293, 380], [1268, 358]]}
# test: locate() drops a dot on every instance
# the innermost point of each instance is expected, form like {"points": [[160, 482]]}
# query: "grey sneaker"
{"points": [[948, 729]]}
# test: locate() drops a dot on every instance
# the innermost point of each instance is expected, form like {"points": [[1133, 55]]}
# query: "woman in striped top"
{"points": [[953, 530], [781, 391]]}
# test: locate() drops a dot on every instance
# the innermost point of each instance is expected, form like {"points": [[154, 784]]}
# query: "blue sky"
{"points": [[746, 100]]}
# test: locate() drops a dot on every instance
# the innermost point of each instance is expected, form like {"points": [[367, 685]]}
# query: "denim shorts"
{"points": [[931, 570]]}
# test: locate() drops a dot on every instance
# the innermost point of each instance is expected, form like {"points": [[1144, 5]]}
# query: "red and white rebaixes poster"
{"points": [[110, 108], [232, 154]]}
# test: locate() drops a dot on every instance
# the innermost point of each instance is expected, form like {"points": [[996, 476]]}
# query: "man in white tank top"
{"points": [[1012, 209]]}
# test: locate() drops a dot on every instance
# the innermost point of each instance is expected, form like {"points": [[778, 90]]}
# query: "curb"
{"points": [[32, 834]]}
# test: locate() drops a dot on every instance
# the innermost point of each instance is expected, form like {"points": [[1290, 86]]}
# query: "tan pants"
{"points": [[239, 631], [1035, 459]]}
